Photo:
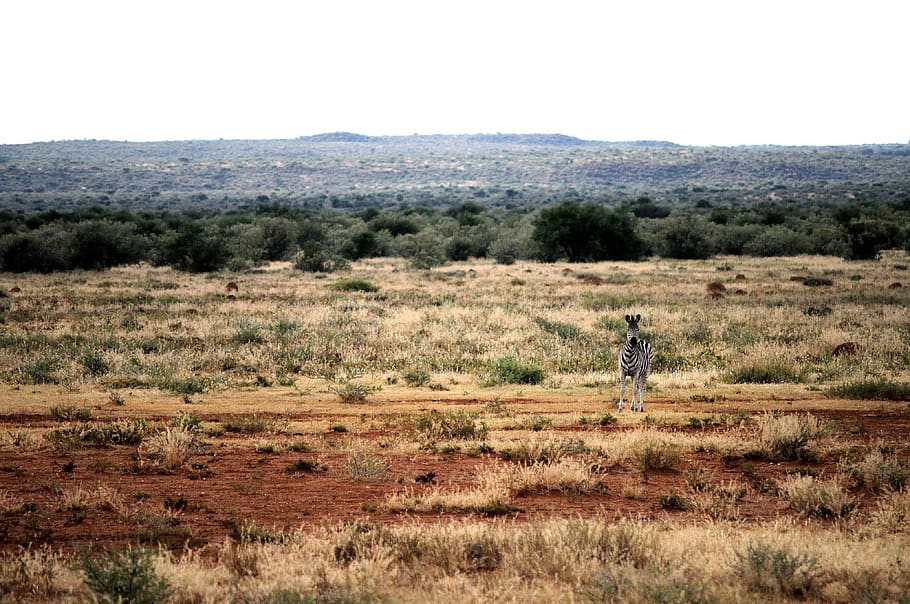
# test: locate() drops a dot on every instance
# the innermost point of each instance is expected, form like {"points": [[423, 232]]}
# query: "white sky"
{"points": [[694, 72]]}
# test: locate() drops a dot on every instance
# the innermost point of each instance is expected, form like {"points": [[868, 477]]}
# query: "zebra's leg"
{"points": [[622, 391], [638, 387]]}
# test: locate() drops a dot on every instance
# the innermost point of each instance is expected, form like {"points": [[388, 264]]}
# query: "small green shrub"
{"points": [[362, 465], [773, 570], [41, 370], [674, 501], [812, 497], [70, 413], [566, 331], [127, 576], [352, 392], [817, 281], [249, 424], [876, 473], [187, 421], [548, 450], [95, 363], [248, 333], [187, 386], [354, 285], [416, 378], [656, 454], [433, 426], [99, 434], [876, 390], [762, 372], [305, 465], [509, 370], [787, 437]]}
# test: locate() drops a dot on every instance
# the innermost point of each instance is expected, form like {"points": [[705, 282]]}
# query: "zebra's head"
{"points": [[632, 333]]}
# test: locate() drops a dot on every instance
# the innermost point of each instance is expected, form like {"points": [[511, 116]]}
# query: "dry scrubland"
{"points": [[387, 434]]}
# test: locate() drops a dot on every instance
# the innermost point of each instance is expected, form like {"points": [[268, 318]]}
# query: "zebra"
{"points": [[634, 361]]}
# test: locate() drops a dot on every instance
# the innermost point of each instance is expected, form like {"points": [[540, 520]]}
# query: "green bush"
{"points": [[127, 576], [787, 437], [586, 233], [878, 390], [99, 434], [249, 424], [416, 378], [354, 285], [352, 392], [566, 331], [685, 237], [776, 571], [813, 497], [509, 370], [433, 426], [41, 370], [762, 372], [95, 363]]}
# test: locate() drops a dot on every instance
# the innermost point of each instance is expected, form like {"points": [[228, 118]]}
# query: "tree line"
{"points": [[326, 240]]}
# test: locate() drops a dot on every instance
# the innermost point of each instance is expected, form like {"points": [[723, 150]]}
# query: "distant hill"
{"points": [[337, 137], [345, 169]]}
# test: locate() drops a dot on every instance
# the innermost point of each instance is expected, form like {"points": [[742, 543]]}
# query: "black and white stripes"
{"points": [[635, 362]]}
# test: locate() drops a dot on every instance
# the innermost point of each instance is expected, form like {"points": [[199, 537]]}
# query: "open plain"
{"points": [[392, 434]]}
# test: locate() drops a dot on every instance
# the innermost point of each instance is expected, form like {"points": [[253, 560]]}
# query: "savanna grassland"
{"points": [[391, 434]]}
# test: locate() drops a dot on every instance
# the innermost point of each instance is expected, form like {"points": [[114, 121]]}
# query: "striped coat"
{"points": [[635, 362]]}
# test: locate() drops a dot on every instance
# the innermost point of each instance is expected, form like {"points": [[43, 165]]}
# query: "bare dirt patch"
{"points": [[230, 483]]}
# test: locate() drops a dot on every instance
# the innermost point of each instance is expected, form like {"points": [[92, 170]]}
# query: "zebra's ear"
{"points": [[628, 318], [637, 318]]}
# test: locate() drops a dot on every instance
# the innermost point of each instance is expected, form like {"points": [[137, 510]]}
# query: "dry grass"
{"points": [[169, 449], [290, 333], [286, 342], [501, 561]]}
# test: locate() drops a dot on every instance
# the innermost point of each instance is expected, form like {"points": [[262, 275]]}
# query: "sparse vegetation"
{"points": [[705, 473]]}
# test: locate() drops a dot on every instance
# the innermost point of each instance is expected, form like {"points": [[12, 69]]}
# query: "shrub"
{"points": [[586, 233], [786, 437], [95, 363], [774, 570], [604, 418], [354, 285], [547, 450], [99, 434], [187, 386], [762, 372], [249, 424], [305, 465], [566, 331], [416, 378], [170, 449], [351, 392], [812, 497], [876, 473], [893, 513], [68, 413], [362, 465], [655, 453], [565, 476], [127, 576], [877, 390], [313, 259], [433, 426], [509, 370], [41, 370], [674, 501]]}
